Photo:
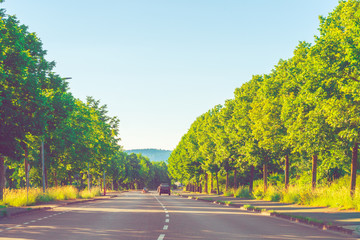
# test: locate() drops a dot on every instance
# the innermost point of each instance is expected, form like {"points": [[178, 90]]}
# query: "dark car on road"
{"points": [[164, 188]]}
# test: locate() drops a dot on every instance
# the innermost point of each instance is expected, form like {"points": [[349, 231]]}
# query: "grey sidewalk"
{"points": [[340, 220]]}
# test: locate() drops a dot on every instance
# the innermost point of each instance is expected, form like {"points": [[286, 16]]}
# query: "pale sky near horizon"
{"points": [[159, 64]]}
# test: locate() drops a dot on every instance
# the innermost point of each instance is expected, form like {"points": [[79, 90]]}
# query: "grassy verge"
{"points": [[19, 197], [336, 194], [240, 192]]}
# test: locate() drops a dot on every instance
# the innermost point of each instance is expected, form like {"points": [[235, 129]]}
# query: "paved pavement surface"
{"points": [[132, 215], [346, 219]]}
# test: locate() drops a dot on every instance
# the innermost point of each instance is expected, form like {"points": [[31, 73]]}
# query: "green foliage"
{"points": [[228, 193], [308, 105], [80, 139], [62, 193], [17, 197], [333, 195], [86, 194], [242, 192]]}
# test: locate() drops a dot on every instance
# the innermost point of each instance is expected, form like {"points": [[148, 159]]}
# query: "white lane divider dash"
{"points": [[167, 220], [165, 227], [26, 223], [167, 215], [161, 237]]}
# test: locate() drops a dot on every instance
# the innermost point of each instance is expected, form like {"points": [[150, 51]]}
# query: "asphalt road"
{"points": [[134, 215]]}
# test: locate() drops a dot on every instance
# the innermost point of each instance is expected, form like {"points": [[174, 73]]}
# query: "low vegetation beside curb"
{"points": [[20, 197]]}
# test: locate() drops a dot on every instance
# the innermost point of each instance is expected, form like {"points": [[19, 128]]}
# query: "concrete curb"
{"points": [[293, 218]]}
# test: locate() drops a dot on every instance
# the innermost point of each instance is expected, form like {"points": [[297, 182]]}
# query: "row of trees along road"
{"points": [[40, 117], [302, 116]]}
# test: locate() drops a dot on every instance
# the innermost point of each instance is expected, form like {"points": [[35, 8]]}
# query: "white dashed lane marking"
{"points": [[161, 237]]}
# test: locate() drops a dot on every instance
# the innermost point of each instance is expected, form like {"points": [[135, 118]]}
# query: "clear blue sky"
{"points": [[159, 64]]}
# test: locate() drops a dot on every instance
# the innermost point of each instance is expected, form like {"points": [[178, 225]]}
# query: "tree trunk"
{"points": [[235, 183], [265, 176], [42, 152], [212, 184], [287, 167], [206, 183], [55, 179], [46, 178], [227, 181], [251, 183], [353, 169], [314, 171], [217, 184], [115, 184], [26, 165], [2, 176]]}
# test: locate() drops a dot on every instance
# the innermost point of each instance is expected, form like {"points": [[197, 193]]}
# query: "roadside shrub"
{"points": [[62, 193], [228, 193], [242, 192], [292, 195], [18, 197], [44, 198], [272, 194], [90, 194], [258, 190]]}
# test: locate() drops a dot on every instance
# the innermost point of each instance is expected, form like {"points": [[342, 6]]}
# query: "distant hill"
{"points": [[155, 155]]}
